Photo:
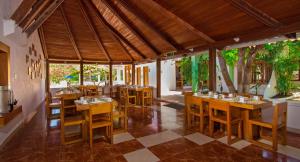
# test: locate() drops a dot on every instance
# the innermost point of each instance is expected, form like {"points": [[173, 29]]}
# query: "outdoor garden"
{"points": [[249, 69]]}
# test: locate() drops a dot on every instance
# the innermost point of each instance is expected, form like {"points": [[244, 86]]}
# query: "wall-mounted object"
{"points": [[4, 64]]}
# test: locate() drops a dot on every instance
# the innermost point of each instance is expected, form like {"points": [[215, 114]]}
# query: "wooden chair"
{"points": [[50, 106], [82, 90], [196, 108], [120, 111], [70, 120], [217, 108], [187, 98], [125, 94], [277, 123], [114, 92], [92, 90], [147, 96], [106, 120]]}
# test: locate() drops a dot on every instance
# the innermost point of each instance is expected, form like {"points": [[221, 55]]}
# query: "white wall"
{"points": [[29, 93], [168, 76]]}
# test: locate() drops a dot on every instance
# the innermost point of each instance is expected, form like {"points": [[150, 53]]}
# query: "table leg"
{"points": [[86, 125], [245, 116]]}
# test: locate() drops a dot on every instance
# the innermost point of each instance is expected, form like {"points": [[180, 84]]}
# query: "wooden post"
{"points": [[133, 74], [47, 85], [110, 75], [158, 78], [81, 73], [212, 69]]}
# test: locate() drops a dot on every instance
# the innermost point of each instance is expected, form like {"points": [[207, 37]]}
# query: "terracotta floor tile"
{"points": [[172, 148], [128, 146]]}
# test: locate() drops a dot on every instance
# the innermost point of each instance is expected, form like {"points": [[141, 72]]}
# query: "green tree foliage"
{"points": [[230, 56], [284, 56], [203, 67], [186, 68], [60, 72]]}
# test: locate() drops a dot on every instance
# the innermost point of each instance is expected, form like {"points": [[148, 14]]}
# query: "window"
{"points": [[64, 75], [121, 75], [94, 74], [118, 74]]}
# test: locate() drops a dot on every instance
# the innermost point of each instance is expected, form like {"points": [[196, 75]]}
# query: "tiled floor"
{"points": [[157, 135]]}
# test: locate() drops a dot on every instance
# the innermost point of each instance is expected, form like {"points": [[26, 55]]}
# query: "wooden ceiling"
{"points": [[115, 31]]}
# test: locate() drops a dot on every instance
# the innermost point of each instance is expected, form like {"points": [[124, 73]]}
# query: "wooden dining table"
{"points": [[247, 108]]}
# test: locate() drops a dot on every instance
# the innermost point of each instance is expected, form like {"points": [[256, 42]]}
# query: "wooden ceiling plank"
{"points": [[123, 47], [43, 17], [92, 27], [70, 33], [252, 11], [22, 10], [146, 20], [180, 20], [113, 30], [36, 9], [133, 29], [43, 42]]}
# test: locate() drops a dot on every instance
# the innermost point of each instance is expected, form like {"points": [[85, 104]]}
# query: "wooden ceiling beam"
{"points": [[252, 11], [92, 27], [181, 21], [43, 42], [70, 33], [22, 10], [146, 21], [36, 9], [113, 30], [252, 36], [43, 17], [133, 29], [123, 47], [73, 61]]}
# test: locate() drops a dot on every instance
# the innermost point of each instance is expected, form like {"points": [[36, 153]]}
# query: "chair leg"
{"points": [[211, 127], [201, 123], [62, 134], [111, 134], [229, 133], [250, 128], [91, 137], [274, 139], [240, 129], [283, 135]]}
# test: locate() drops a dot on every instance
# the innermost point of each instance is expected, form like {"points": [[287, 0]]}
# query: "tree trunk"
{"points": [[247, 68], [240, 70], [225, 73]]}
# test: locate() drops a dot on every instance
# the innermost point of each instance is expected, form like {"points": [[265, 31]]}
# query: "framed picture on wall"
{"points": [[29, 70]]}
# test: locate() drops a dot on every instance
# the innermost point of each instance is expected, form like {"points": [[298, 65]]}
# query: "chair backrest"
{"points": [[280, 113], [101, 108], [123, 92], [67, 100], [219, 105], [147, 92]]}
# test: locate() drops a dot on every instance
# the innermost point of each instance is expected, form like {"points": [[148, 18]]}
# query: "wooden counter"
{"points": [[6, 117]]}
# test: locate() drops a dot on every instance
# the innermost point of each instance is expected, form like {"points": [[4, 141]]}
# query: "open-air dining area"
{"points": [[149, 80]]}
